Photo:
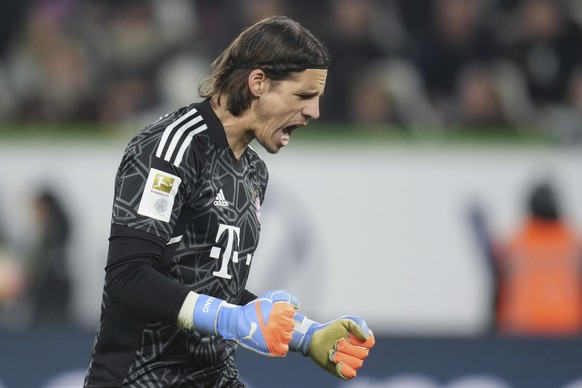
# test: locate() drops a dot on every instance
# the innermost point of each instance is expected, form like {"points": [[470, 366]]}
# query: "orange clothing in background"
{"points": [[540, 290]]}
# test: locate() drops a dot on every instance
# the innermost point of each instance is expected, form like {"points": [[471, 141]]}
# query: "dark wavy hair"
{"points": [[277, 45]]}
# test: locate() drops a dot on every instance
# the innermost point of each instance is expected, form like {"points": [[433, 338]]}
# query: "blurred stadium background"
{"points": [[434, 109]]}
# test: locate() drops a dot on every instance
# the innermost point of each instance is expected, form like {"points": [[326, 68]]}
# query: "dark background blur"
{"points": [[510, 66]]}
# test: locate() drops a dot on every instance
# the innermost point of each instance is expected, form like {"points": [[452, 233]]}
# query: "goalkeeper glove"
{"points": [[339, 346], [264, 325]]}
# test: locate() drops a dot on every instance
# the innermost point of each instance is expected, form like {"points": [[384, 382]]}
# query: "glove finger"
{"points": [[284, 296], [368, 343], [287, 323], [279, 349], [353, 362], [344, 346], [281, 315], [277, 331], [286, 337], [345, 371], [357, 326], [287, 311], [281, 321]]}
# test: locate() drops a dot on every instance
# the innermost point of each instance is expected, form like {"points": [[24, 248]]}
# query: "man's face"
{"points": [[286, 106]]}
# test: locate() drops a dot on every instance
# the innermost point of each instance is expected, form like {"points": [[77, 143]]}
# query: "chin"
{"points": [[273, 150], [270, 148]]}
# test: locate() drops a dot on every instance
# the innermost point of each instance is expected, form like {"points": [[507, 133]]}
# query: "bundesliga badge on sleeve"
{"points": [[158, 196]]}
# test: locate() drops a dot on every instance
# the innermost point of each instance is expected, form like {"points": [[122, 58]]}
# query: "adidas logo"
{"points": [[220, 200]]}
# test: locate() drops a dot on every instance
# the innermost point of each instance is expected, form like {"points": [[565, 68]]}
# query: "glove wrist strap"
{"points": [[205, 314], [301, 334]]}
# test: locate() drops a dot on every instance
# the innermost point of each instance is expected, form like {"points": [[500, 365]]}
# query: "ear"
{"points": [[257, 82]]}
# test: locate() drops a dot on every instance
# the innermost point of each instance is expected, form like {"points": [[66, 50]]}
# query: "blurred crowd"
{"points": [[35, 278], [504, 65]]}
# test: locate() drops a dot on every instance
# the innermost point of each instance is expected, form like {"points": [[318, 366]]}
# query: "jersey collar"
{"points": [[215, 127]]}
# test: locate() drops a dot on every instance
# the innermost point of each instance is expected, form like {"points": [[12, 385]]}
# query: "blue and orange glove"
{"points": [[340, 346], [264, 325]]}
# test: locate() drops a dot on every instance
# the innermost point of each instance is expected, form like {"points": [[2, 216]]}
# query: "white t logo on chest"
{"points": [[230, 251]]}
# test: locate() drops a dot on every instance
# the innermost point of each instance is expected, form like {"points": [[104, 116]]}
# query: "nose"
{"points": [[311, 111]]}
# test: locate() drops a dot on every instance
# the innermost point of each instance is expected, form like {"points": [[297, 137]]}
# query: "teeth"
{"points": [[285, 136]]}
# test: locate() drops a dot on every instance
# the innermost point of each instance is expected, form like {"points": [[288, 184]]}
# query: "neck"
{"points": [[237, 133]]}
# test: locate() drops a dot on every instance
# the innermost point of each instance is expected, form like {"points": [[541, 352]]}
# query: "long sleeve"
{"points": [[133, 281]]}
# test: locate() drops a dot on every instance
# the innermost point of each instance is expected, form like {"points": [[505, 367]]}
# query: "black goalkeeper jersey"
{"points": [[186, 216]]}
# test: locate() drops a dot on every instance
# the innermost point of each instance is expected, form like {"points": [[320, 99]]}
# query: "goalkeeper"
{"points": [[186, 223]]}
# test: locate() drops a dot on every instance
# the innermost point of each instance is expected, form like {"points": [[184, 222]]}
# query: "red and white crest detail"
{"points": [[258, 208]]}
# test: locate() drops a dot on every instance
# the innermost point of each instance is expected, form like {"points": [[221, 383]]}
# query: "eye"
{"points": [[306, 96]]}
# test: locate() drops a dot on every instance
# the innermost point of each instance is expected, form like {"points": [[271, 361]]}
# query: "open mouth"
{"points": [[286, 133], [287, 130]]}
